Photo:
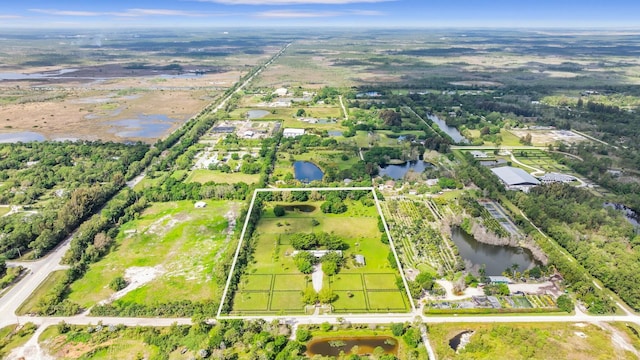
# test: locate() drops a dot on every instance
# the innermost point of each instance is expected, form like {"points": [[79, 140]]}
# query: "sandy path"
{"points": [[31, 349], [316, 278]]}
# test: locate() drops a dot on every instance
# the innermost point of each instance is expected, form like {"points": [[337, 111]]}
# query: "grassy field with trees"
{"points": [[178, 244], [535, 341], [276, 280]]}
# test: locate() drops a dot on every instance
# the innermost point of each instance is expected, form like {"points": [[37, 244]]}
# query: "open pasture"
{"points": [[272, 282]]}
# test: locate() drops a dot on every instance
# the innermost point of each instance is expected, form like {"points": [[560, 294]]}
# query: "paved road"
{"points": [[38, 272]]}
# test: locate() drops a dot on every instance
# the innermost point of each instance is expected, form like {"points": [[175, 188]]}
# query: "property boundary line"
{"points": [[246, 223], [237, 254], [395, 254]]}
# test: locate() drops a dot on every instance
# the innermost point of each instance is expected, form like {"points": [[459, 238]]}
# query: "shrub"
{"points": [[279, 211], [303, 335], [397, 329], [118, 283], [565, 303]]}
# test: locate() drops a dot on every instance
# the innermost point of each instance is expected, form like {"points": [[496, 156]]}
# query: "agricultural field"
{"points": [[538, 341], [273, 283], [204, 176], [503, 304], [414, 226], [168, 253], [549, 137], [540, 160]]}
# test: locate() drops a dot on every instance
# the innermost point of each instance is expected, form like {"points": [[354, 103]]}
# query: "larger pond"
{"points": [[399, 171], [145, 126], [495, 258], [23, 136], [365, 345], [306, 171], [41, 75], [452, 131]]}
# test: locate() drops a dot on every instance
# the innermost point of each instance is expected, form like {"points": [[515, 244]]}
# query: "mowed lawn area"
{"points": [[273, 284], [203, 175], [176, 242]]}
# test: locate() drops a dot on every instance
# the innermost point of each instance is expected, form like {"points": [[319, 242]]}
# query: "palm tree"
{"points": [[515, 267]]}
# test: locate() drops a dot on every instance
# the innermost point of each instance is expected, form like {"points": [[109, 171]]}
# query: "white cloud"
{"points": [[367, 13], [10, 16], [293, 14], [65, 12], [164, 12], [291, 2], [127, 13]]}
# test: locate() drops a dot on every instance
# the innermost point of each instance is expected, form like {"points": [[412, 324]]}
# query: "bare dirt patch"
{"points": [[620, 341], [136, 277]]}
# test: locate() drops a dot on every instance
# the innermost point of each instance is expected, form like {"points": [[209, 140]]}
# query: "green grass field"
{"points": [[324, 159], [202, 176], [508, 139], [381, 138], [274, 275], [182, 243], [533, 341]]}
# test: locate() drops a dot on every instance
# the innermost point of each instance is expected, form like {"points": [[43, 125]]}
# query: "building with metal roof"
{"points": [[549, 178], [515, 177], [499, 280]]}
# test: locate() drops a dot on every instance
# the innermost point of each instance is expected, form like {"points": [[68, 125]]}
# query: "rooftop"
{"points": [[514, 176]]}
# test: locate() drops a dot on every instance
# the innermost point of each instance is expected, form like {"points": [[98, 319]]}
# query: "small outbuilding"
{"points": [[494, 280], [550, 178], [360, 260], [479, 154]]}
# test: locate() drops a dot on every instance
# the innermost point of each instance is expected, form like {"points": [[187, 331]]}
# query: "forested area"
{"points": [[600, 239], [59, 185]]}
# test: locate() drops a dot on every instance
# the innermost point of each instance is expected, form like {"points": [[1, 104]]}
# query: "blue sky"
{"points": [[280, 13]]}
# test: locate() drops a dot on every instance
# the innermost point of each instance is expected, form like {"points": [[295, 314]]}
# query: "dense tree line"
{"points": [[84, 174], [598, 238]]}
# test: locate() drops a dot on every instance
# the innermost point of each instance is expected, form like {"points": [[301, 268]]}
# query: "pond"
{"points": [[145, 126], [22, 136], [632, 217], [257, 114], [334, 133], [452, 131], [399, 171], [455, 341], [300, 208], [306, 171], [496, 258], [365, 344]]}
